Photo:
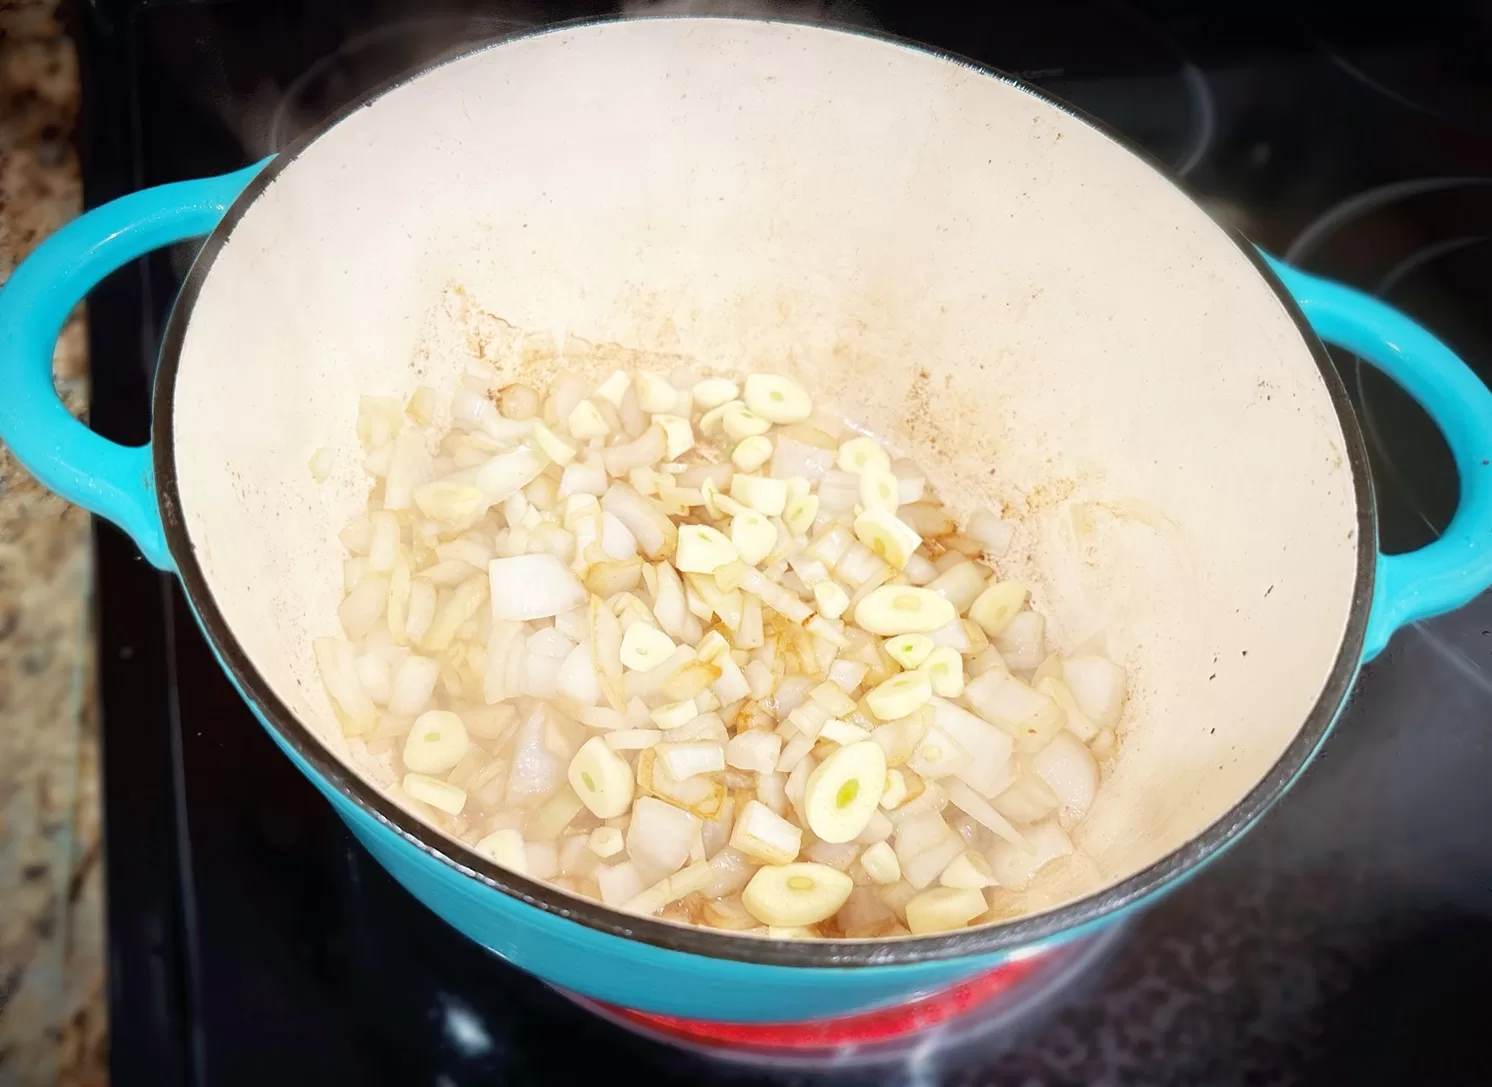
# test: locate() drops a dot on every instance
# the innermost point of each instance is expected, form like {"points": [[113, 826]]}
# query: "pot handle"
{"points": [[111, 480], [1457, 567]]}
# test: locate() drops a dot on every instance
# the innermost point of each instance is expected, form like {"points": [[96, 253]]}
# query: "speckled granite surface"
{"points": [[52, 981]]}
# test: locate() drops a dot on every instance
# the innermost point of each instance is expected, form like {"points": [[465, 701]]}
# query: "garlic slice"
{"points": [[900, 695], [602, 779], [436, 743], [842, 792], [863, 454], [903, 609], [796, 894], [886, 534], [909, 650], [438, 794], [942, 909], [994, 608], [880, 863], [777, 399], [644, 647]]}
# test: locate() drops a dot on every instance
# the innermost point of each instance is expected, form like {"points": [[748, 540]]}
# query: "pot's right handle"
{"points": [[111, 480], [1458, 566]]}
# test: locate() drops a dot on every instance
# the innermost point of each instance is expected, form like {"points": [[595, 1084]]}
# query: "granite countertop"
{"points": [[52, 954]]}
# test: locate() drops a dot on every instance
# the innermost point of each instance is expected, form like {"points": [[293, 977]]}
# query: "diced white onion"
{"points": [[532, 587]]}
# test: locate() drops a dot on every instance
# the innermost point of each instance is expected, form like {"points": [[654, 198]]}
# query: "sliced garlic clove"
{"points": [[945, 668], [703, 550], [830, 599], [790, 932], [942, 909], [712, 392], [878, 488], [656, 395], [900, 609], [842, 733], [842, 792], [436, 743], [438, 794], [587, 422], [909, 650], [602, 779], [968, 871], [607, 841], [895, 790], [860, 455], [743, 423], [552, 445], [675, 714], [887, 535], [762, 493], [764, 836], [796, 894], [506, 848], [880, 863], [614, 388], [712, 422], [994, 608], [777, 399], [752, 453], [800, 512], [678, 435], [644, 647], [753, 536], [900, 695], [711, 646]]}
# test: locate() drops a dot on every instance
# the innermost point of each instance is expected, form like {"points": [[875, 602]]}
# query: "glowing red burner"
{"points": [[864, 1028]]}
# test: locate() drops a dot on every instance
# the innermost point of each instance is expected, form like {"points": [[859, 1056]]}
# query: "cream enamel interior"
{"points": [[986, 282]]}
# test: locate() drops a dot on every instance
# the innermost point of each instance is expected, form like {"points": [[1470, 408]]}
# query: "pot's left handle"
{"points": [[111, 480], [1449, 572]]}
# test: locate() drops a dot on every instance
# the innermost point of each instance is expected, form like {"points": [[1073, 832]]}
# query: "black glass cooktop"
{"points": [[1347, 940]]}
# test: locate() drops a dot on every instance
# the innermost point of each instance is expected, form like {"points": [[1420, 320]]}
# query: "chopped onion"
{"points": [[928, 520], [654, 532], [1023, 642], [649, 449], [793, 457], [988, 747], [839, 492], [584, 476], [995, 534], [1098, 687], [980, 810], [1068, 768], [363, 607], [1014, 866], [338, 667], [533, 587], [659, 835], [508, 473], [413, 684], [410, 467], [535, 771], [960, 584], [775, 596]]}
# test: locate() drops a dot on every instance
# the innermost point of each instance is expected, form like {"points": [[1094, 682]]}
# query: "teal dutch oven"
{"points": [[981, 275]]}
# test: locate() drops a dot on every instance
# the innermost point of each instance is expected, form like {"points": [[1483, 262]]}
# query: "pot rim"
{"points": [[1023, 932]]}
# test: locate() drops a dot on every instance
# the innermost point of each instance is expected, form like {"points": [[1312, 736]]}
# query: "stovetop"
{"points": [[1344, 941]]}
